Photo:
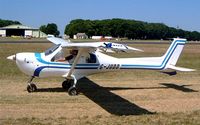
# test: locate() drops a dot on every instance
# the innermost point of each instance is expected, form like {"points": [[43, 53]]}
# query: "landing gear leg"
{"points": [[31, 86], [72, 91]]}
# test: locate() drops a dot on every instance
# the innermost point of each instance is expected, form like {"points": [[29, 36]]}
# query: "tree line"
{"points": [[122, 28], [4, 23], [125, 28]]}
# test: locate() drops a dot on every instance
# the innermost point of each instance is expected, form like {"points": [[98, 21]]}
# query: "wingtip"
{"points": [[135, 49]]}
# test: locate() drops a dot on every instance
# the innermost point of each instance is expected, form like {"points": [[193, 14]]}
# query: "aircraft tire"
{"points": [[66, 84], [72, 91], [31, 88]]}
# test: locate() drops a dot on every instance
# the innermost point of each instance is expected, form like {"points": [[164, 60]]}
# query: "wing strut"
{"points": [[69, 74]]}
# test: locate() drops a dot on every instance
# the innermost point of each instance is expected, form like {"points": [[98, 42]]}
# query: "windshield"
{"points": [[51, 50]]}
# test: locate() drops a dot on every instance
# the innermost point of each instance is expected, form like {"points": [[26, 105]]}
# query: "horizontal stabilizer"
{"points": [[180, 68]]}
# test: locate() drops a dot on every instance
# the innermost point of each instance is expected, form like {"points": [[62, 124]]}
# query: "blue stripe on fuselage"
{"points": [[163, 64], [59, 65], [38, 70], [95, 66]]}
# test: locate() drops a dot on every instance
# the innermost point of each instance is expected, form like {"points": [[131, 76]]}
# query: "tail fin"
{"points": [[173, 53]]}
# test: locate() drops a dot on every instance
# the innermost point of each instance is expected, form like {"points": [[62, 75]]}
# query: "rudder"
{"points": [[173, 53]]}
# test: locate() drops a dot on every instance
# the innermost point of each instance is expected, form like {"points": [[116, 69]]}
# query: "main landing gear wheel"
{"points": [[72, 91], [31, 88], [66, 84]]}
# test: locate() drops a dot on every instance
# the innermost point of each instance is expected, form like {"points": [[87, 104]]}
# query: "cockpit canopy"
{"points": [[51, 50], [58, 54]]}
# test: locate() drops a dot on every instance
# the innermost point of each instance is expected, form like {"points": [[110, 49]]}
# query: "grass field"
{"points": [[125, 97]]}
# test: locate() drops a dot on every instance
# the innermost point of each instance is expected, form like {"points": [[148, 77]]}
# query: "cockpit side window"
{"points": [[51, 50], [92, 58], [58, 56], [65, 55]]}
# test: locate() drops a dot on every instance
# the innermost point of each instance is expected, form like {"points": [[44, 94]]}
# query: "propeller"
{"points": [[12, 57]]}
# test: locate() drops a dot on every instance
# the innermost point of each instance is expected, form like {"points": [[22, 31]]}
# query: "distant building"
{"points": [[21, 30], [97, 37], [80, 36], [102, 38], [65, 36], [108, 37], [74, 37]]}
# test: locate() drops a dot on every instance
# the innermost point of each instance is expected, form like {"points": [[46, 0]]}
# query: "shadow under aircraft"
{"points": [[112, 102], [109, 101], [178, 87]]}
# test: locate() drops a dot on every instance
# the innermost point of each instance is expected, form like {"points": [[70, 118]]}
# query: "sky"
{"points": [[184, 14]]}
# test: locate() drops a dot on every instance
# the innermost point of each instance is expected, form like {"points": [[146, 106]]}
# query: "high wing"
{"points": [[88, 47], [103, 46], [58, 40]]}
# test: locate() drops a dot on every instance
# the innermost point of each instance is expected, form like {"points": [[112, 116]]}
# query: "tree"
{"points": [[8, 22], [43, 28], [131, 29], [50, 28]]}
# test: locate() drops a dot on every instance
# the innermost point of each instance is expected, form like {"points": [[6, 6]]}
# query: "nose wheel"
{"points": [[31, 86]]}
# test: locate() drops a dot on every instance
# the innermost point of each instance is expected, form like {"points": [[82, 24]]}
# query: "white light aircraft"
{"points": [[89, 58]]}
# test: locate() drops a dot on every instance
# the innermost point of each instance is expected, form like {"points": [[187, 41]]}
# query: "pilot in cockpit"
{"points": [[73, 54], [69, 58]]}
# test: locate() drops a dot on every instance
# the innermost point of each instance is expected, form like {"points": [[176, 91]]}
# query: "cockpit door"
{"points": [[50, 56], [53, 52]]}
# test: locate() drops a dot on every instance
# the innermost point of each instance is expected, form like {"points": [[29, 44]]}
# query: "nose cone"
{"points": [[13, 57]]}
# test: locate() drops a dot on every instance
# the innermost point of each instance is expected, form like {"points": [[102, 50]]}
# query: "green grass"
{"points": [[13, 91], [9, 68], [188, 118]]}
